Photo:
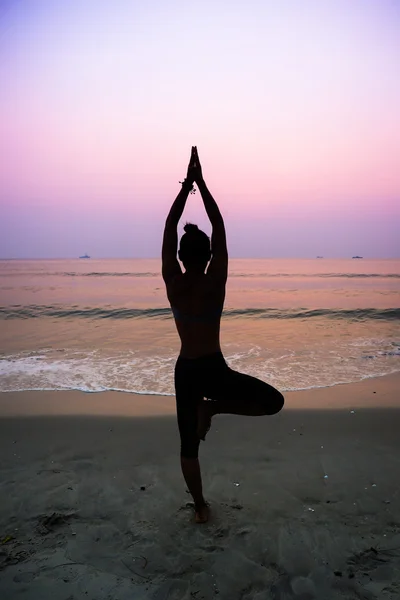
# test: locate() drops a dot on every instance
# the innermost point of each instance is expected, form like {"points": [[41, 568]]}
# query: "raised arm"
{"points": [[219, 263], [170, 264]]}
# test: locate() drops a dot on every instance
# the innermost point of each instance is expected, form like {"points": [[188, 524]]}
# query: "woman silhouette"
{"points": [[204, 384]]}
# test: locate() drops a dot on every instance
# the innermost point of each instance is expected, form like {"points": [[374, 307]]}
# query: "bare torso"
{"points": [[197, 301]]}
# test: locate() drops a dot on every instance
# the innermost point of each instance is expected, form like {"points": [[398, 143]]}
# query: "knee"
{"points": [[189, 451], [189, 461], [277, 402]]}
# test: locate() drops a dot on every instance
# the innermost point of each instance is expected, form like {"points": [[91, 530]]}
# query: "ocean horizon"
{"points": [[105, 324]]}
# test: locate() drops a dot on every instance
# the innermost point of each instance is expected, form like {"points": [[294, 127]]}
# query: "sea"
{"points": [[96, 325]]}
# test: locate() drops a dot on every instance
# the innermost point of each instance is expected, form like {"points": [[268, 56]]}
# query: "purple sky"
{"points": [[294, 107]]}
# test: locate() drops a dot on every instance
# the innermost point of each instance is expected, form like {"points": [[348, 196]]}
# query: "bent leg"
{"points": [[236, 393]]}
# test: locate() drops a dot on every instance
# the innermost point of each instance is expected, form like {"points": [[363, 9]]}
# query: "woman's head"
{"points": [[194, 248]]}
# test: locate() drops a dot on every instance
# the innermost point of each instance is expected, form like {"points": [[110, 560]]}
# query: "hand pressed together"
{"points": [[194, 172]]}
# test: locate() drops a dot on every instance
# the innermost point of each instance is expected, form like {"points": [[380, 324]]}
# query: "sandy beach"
{"points": [[305, 504]]}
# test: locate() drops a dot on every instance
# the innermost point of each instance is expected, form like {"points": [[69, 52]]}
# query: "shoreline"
{"points": [[370, 392]]}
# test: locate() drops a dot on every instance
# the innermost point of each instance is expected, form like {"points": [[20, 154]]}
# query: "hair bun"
{"points": [[191, 228]]}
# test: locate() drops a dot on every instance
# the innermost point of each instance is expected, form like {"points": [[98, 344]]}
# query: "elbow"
{"points": [[217, 222]]}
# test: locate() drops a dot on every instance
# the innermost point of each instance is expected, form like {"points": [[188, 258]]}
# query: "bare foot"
{"points": [[202, 513], [204, 416]]}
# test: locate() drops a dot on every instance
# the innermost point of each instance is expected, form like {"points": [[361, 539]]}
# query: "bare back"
{"points": [[196, 298], [197, 302]]}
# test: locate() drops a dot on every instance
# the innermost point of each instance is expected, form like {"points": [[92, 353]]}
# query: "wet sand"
{"points": [[305, 504]]}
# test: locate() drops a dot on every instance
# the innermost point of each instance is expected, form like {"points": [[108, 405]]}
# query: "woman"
{"points": [[197, 299]]}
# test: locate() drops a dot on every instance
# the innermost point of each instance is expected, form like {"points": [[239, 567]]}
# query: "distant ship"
{"points": [[320, 257], [356, 257], [85, 256]]}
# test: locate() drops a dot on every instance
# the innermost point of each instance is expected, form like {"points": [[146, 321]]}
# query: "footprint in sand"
{"points": [[25, 577]]}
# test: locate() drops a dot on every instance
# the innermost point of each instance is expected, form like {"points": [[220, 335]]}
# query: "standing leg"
{"points": [[187, 409], [192, 475]]}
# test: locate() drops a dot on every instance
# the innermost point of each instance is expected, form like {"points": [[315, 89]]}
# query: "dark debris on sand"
{"points": [[49, 523]]}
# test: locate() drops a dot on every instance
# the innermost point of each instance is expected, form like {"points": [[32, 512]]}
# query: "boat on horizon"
{"points": [[356, 257], [85, 256]]}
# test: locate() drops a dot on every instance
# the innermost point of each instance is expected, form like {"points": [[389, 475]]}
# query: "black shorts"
{"points": [[210, 377]]}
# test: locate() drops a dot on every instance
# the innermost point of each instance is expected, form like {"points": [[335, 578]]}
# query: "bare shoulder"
{"points": [[174, 285], [216, 277], [218, 267], [215, 284]]}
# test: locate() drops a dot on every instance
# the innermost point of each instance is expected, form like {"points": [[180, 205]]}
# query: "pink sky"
{"points": [[294, 107]]}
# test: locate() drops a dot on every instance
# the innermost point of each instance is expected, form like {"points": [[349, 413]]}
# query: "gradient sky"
{"points": [[294, 107]]}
